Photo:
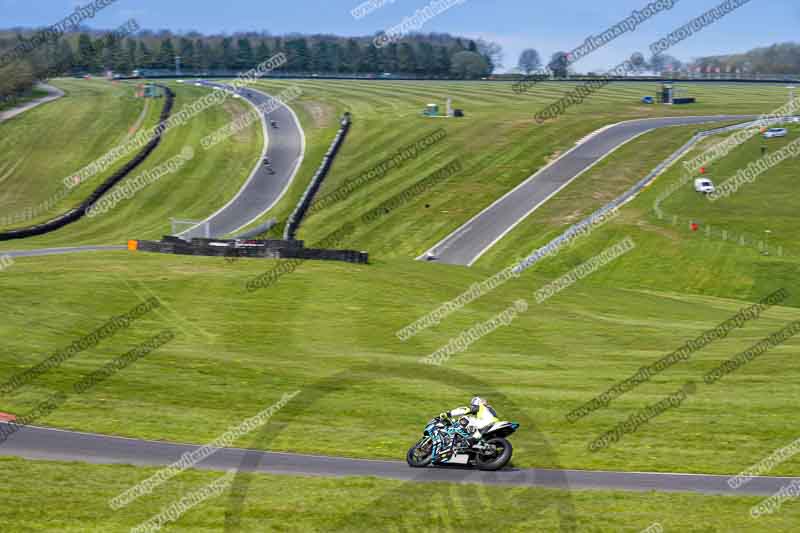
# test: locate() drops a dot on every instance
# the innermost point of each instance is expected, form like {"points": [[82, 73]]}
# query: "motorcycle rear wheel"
{"points": [[498, 460], [416, 458]]}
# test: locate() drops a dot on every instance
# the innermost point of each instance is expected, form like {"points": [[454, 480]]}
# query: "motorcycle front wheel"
{"points": [[499, 456], [419, 455]]}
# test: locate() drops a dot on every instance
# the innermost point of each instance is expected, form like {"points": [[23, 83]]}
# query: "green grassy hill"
{"points": [[671, 255], [197, 189], [328, 329], [498, 145], [41, 147], [237, 352]]}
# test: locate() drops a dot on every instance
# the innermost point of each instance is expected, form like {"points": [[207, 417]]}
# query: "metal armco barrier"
{"points": [[77, 213], [293, 224]]}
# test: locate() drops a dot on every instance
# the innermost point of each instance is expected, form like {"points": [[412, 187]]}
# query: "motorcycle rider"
{"points": [[480, 416]]}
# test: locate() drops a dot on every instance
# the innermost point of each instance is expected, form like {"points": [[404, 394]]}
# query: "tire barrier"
{"points": [[79, 212], [257, 249], [293, 224]]}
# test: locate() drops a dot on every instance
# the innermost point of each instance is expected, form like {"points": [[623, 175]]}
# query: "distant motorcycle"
{"points": [[447, 442]]}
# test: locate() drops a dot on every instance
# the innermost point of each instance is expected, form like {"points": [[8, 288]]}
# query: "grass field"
{"points": [[678, 257], [199, 188], [387, 117], [74, 498], [33, 94], [237, 353], [328, 329], [41, 147], [498, 144]]}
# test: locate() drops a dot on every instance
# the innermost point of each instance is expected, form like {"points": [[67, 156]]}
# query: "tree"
{"points": [[529, 60], [492, 53], [114, 57], [663, 62], [64, 57], [780, 58], [130, 51], [299, 59], [469, 65], [430, 55], [166, 56], [99, 46], [456, 47], [351, 57], [186, 51], [559, 65], [442, 61], [390, 59], [262, 52], [638, 62], [202, 55], [145, 56], [86, 57], [320, 57], [245, 60], [15, 78], [406, 59], [369, 60], [227, 57], [335, 53], [426, 62]]}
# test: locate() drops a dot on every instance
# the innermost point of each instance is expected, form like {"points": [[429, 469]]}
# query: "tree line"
{"points": [[782, 58], [437, 56], [530, 61]]}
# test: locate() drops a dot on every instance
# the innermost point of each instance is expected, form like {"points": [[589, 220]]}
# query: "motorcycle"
{"points": [[448, 442]]}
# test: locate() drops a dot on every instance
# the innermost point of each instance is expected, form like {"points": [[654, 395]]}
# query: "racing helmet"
{"points": [[476, 402]]}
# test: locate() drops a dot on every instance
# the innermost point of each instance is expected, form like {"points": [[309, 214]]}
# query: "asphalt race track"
{"points": [[67, 250], [466, 244], [55, 94], [59, 445], [262, 190]]}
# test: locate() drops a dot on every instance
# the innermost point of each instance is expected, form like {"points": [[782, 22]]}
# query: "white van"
{"points": [[703, 185], [775, 132]]}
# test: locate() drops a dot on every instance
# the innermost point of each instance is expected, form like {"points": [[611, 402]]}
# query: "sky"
{"points": [[547, 26]]}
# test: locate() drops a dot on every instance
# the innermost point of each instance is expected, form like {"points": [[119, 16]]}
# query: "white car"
{"points": [[704, 185], [775, 132]]}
